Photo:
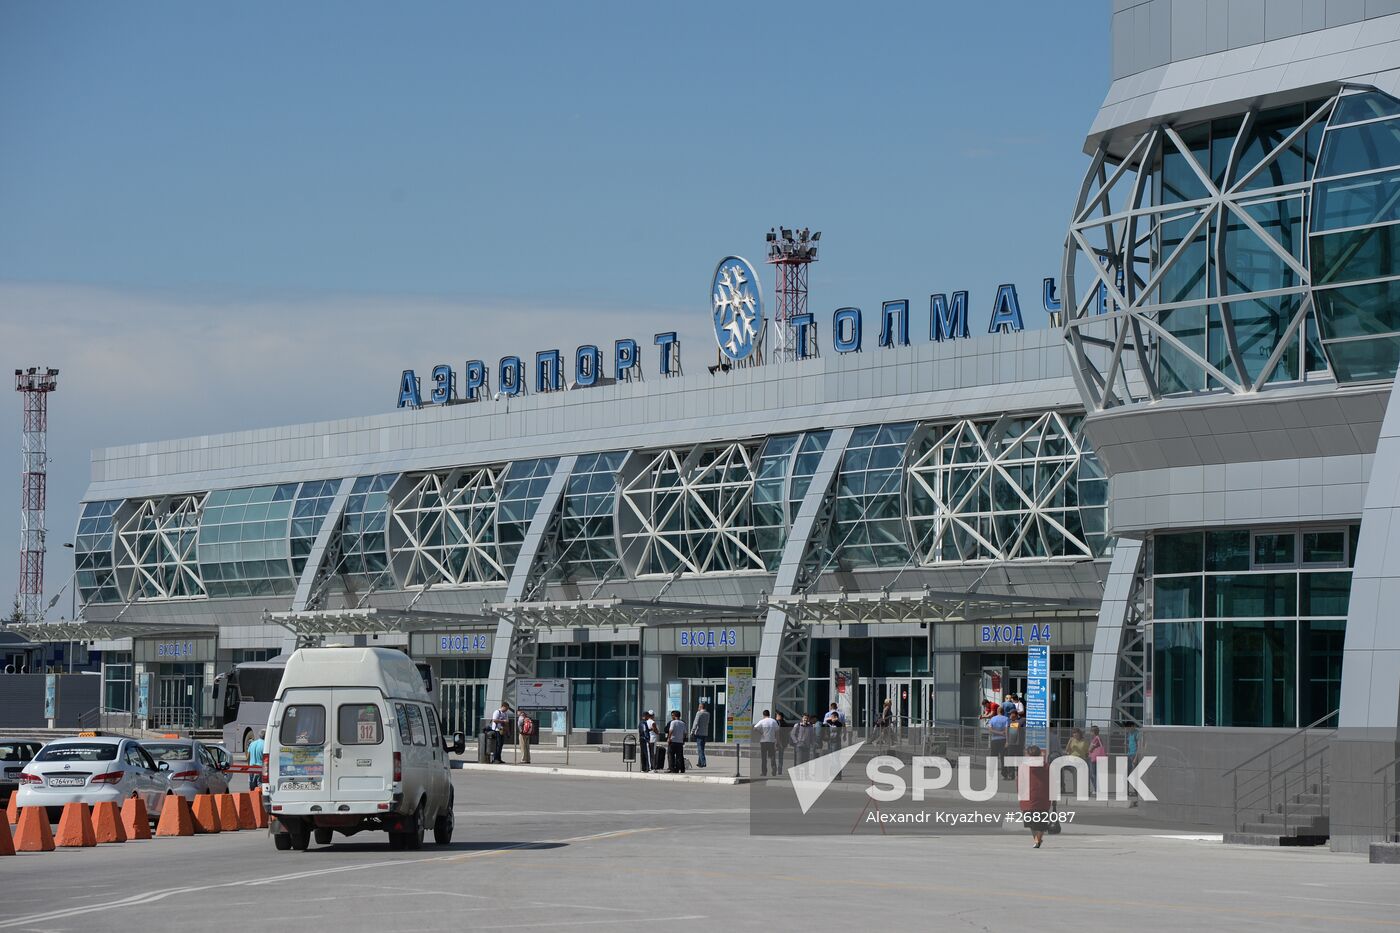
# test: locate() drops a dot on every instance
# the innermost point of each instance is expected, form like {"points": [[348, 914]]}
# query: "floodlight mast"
{"points": [[35, 384], [791, 251]]}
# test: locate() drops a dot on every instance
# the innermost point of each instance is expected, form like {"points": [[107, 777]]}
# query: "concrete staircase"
{"points": [[1302, 821]]}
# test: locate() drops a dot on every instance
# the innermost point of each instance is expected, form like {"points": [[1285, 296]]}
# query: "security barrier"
{"points": [[75, 827], [175, 818], [32, 833], [206, 814], [7, 844], [228, 813], [107, 823], [12, 809], [244, 804], [136, 822]]}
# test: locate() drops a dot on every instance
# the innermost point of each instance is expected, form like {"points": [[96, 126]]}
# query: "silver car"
{"points": [[192, 767], [92, 769], [14, 755]]}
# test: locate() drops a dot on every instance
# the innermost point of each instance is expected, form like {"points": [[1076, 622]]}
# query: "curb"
{"points": [[599, 773]]}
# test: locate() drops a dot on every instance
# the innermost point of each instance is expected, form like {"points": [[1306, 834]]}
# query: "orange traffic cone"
{"points": [[12, 809], [75, 826], [206, 815], [228, 813], [175, 817], [107, 823], [32, 833], [7, 844], [259, 813], [136, 822], [244, 803]]}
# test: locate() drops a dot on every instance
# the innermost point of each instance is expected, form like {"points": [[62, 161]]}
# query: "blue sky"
{"points": [[216, 217]]}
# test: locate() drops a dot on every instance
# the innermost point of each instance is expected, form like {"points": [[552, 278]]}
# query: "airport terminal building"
{"points": [[1186, 489]]}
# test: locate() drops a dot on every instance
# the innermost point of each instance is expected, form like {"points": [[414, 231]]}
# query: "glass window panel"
{"points": [[1251, 595], [1324, 594], [1360, 148], [1365, 106], [1227, 550], [1324, 547], [1177, 553], [1355, 255], [1176, 597], [1320, 669], [1177, 665], [1356, 202], [1274, 548], [1359, 310], [1364, 360], [1253, 678]]}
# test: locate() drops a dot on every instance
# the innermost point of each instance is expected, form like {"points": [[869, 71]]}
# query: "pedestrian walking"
{"points": [[700, 732], [1015, 740], [1132, 736], [525, 730], [765, 733], [1036, 802], [784, 739], [500, 722], [675, 742], [256, 750], [804, 739], [1097, 753]]}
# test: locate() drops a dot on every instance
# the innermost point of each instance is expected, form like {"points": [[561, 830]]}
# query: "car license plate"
{"points": [[67, 782], [299, 785]]}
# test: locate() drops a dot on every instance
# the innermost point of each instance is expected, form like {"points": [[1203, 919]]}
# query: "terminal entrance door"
{"points": [[463, 705], [695, 690], [179, 695], [907, 697]]}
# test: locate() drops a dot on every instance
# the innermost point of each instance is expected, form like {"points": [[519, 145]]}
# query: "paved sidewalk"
{"points": [[592, 762]]}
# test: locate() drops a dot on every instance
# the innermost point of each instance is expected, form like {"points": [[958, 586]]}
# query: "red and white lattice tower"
{"points": [[34, 384], [791, 251]]}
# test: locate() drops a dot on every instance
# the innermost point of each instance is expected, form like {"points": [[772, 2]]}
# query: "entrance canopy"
{"points": [[923, 606], [617, 612], [83, 630], [372, 621]]}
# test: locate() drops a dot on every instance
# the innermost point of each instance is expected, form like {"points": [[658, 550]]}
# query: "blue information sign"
{"points": [[1038, 695]]}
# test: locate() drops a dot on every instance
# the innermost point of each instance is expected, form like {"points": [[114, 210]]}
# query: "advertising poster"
{"points": [[738, 714], [673, 698], [844, 692]]}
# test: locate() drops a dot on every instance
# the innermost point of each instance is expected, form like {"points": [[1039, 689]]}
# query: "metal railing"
{"points": [[1283, 773], [167, 716]]}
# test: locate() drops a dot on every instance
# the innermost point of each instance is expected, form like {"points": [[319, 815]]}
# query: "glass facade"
{"points": [[603, 681], [1248, 251], [364, 549], [443, 528], [309, 510], [1355, 238], [157, 542], [116, 681], [692, 511], [92, 553], [521, 491], [868, 525], [586, 522], [1008, 488], [244, 549], [1248, 625]]}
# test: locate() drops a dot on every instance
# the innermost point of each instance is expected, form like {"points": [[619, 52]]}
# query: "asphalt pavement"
{"points": [[559, 852]]}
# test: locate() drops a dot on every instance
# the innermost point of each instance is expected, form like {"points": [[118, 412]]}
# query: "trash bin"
{"points": [[629, 751], [483, 747]]}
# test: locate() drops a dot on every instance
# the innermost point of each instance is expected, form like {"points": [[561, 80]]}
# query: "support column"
{"points": [[1108, 692], [781, 681], [513, 654], [1365, 789]]}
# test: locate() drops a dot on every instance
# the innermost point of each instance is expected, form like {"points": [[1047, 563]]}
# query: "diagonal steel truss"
{"points": [[693, 512], [157, 545], [1116, 258], [444, 528], [1130, 684], [964, 472]]}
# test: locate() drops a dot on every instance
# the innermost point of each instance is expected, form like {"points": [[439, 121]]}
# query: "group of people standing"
{"points": [[806, 737], [662, 746]]}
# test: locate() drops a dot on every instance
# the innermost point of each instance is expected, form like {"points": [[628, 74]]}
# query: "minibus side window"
{"points": [[415, 723], [359, 724], [303, 724], [402, 715], [433, 729]]}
